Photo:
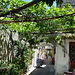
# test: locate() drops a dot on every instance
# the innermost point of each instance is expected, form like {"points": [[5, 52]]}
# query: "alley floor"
{"points": [[47, 70]]}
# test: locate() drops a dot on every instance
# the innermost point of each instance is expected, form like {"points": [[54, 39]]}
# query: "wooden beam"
{"points": [[53, 32], [56, 17], [20, 8]]}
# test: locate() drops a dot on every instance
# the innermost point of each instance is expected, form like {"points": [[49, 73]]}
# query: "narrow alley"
{"points": [[48, 70]]}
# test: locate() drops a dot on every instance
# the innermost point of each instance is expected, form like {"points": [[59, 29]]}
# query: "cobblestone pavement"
{"points": [[48, 70]]}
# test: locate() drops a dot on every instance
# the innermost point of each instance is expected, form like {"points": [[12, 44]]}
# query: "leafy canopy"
{"points": [[37, 12], [32, 32]]}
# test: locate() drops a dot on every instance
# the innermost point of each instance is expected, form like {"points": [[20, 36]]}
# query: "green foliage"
{"points": [[8, 68], [26, 30], [58, 39], [50, 2]]}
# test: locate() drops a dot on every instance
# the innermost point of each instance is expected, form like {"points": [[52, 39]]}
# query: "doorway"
{"points": [[72, 55]]}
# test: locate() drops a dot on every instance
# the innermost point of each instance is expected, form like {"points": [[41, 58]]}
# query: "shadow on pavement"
{"points": [[47, 70]]}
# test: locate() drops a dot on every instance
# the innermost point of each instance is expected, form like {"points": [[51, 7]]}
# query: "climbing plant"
{"points": [[32, 24]]}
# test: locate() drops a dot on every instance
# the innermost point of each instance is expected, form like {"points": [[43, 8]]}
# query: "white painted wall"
{"points": [[15, 36], [34, 60], [62, 63]]}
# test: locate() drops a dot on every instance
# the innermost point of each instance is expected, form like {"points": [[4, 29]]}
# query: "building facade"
{"points": [[65, 55], [72, 3]]}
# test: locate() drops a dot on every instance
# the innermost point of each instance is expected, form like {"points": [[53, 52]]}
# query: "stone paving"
{"points": [[48, 70]]}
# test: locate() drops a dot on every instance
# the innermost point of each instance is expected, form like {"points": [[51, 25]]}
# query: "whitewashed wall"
{"points": [[34, 60], [62, 63]]}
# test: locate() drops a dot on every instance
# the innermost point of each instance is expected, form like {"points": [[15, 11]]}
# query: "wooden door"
{"points": [[72, 54]]}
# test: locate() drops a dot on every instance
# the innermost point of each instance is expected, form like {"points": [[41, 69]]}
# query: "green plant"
{"points": [[8, 68], [31, 25]]}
